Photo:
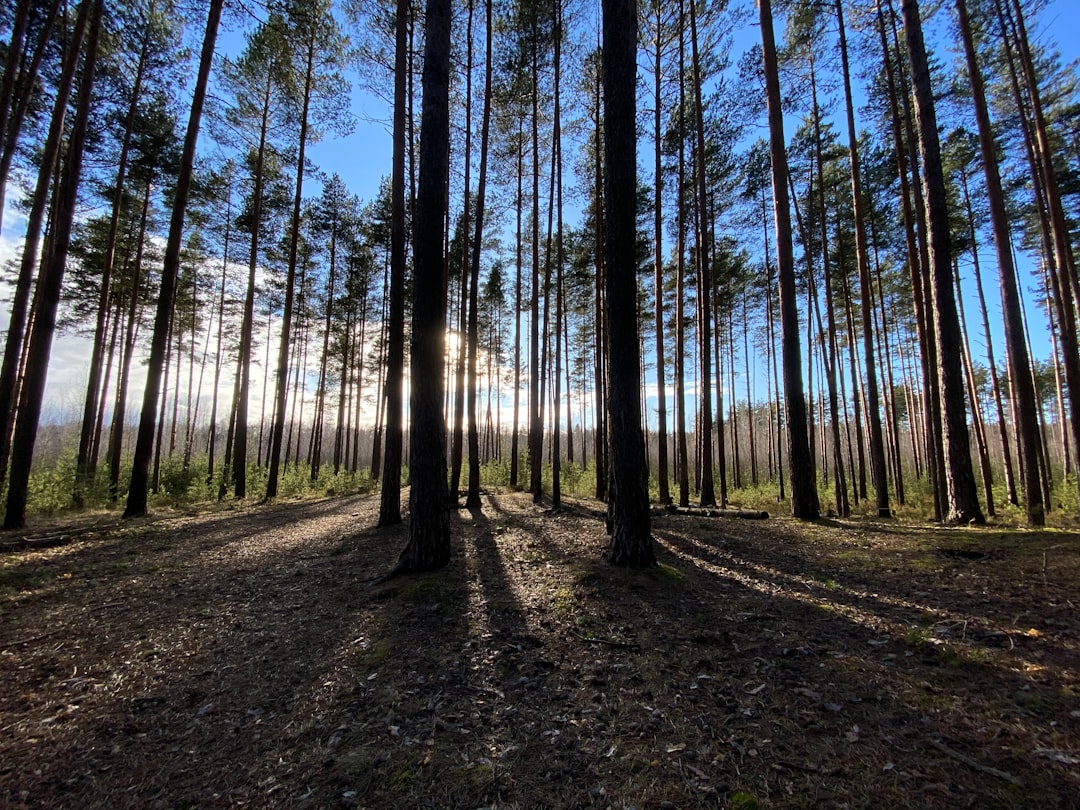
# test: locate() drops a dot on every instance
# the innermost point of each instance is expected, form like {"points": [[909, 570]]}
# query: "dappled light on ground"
{"points": [[247, 658]]}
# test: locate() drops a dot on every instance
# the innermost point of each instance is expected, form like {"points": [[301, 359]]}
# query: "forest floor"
{"points": [[242, 658]]}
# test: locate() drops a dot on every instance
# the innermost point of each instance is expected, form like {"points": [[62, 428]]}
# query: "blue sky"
{"points": [[363, 158]]}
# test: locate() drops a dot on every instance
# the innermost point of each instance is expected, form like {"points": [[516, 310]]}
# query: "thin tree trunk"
{"points": [[212, 438], [137, 492], [519, 201], [20, 87], [39, 342], [681, 455], [658, 273], [918, 260], [20, 302], [708, 495], [457, 437], [557, 168], [84, 469], [116, 435], [1006, 450], [976, 411], [278, 429], [878, 467]]}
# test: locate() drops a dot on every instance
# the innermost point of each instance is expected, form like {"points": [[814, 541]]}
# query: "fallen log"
{"points": [[746, 514]]}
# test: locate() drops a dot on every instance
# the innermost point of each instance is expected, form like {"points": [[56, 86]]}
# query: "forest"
{"points": [[295, 452], [817, 322]]}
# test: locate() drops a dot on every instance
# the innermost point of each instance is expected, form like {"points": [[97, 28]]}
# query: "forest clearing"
{"points": [[245, 657]]}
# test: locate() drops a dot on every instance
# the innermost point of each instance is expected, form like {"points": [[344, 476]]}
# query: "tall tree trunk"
{"points": [[893, 434], [457, 438], [137, 492], [708, 495], [429, 523], [39, 343], [20, 301], [1027, 427], [963, 498], [914, 210], [536, 422], [84, 469], [991, 362], [804, 499], [19, 86], [658, 272], [829, 349], [239, 444], [116, 435], [212, 438], [600, 428], [472, 498], [858, 473], [281, 391], [976, 410], [557, 181], [681, 456], [320, 393], [518, 248], [390, 500], [878, 467], [631, 541]]}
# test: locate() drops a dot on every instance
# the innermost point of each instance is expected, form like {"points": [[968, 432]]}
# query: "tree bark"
{"points": [[429, 520], [14, 346], [960, 478], [39, 343], [1024, 402], [281, 391], [804, 498], [472, 497], [631, 542], [878, 467], [390, 498], [137, 492]]}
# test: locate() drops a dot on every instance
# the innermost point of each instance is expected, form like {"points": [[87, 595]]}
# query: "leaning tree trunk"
{"points": [[39, 344], [84, 466], [140, 473], [1027, 427], [960, 478], [20, 87], [20, 301]]}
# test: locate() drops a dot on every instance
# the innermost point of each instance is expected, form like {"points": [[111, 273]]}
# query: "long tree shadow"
{"points": [[925, 600], [189, 675], [734, 653], [112, 546]]}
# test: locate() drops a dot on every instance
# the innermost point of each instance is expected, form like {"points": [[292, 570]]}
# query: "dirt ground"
{"points": [[241, 658]]}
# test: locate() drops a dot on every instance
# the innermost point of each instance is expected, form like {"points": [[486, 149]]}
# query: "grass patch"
{"points": [[380, 650], [667, 574]]}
